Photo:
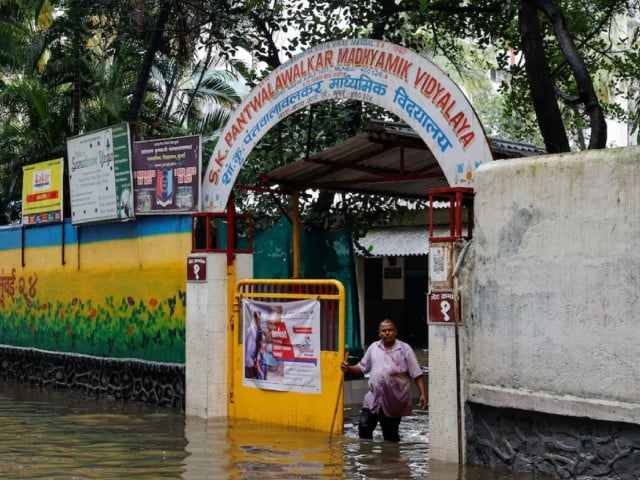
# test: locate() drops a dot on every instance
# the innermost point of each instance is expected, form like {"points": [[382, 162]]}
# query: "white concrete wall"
{"points": [[205, 342], [207, 357], [555, 319], [443, 391]]}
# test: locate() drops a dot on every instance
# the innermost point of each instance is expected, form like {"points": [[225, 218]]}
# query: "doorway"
{"points": [[396, 288]]}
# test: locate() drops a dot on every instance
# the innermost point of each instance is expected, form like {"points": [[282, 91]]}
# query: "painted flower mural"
{"points": [[148, 330]]}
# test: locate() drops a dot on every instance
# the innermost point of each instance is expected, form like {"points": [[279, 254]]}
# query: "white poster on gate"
{"points": [[281, 343]]}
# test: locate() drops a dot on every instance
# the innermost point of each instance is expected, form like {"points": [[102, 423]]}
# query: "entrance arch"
{"points": [[373, 71]]}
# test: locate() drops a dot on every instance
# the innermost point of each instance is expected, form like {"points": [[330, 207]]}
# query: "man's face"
{"points": [[387, 333]]}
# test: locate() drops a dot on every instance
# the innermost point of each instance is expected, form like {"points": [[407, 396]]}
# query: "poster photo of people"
{"points": [[281, 343]]}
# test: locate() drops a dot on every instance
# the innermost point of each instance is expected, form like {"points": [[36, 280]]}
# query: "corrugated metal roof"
{"points": [[386, 159], [382, 160], [396, 241], [505, 149]]}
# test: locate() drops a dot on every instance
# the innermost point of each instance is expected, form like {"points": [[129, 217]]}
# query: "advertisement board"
{"points": [[42, 192], [282, 345], [166, 175], [100, 179]]}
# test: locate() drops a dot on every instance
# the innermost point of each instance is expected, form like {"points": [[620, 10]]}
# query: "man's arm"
{"points": [[346, 368], [422, 402]]}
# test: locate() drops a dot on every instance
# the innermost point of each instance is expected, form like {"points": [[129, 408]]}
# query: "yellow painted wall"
{"points": [[98, 294]]}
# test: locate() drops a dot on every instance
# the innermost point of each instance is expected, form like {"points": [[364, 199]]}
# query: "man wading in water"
{"points": [[393, 366]]}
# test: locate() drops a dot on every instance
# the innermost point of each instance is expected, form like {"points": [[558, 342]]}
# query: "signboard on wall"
{"points": [[196, 268], [439, 262], [42, 193], [441, 306], [393, 278], [100, 180], [166, 175]]}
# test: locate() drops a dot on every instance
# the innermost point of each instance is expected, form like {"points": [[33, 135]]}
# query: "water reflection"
{"points": [[57, 434], [242, 450]]}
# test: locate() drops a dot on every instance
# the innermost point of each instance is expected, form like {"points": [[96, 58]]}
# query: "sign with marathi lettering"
{"points": [[196, 268], [42, 192], [371, 71], [100, 183], [14, 287], [282, 345], [441, 306], [166, 175]]}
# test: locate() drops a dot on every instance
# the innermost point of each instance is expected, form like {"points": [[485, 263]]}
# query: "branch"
{"points": [[594, 32], [586, 91], [539, 77], [445, 7], [147, 62], [271, 58]]}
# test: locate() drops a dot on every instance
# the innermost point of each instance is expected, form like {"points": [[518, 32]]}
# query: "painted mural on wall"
{"points": [[115, 290]]}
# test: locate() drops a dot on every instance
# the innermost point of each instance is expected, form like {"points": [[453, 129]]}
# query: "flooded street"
{"points": [[62, 435]]}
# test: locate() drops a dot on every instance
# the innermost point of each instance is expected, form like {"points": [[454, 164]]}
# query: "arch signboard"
{"points": [[373, 71]]}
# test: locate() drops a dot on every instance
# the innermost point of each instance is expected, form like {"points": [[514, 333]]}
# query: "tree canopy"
{"points": [[569, 62], [564, 66], [172, 68]]}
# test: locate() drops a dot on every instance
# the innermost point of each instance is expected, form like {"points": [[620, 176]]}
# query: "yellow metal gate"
{"points": [[323, 411]]}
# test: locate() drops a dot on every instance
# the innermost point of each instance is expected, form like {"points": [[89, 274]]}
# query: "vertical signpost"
{"points": [[444, 325]]}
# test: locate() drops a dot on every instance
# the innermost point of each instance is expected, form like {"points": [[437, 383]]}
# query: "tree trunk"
{"points": [[147, 63], [586, 92], [76, 16], [539, 76]]}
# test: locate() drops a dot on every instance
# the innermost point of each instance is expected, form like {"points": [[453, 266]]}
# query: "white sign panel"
{"points": [[100, 180], [439, 263]]}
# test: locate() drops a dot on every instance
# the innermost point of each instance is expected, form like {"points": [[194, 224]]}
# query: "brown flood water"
{"points": [[47, 434]]}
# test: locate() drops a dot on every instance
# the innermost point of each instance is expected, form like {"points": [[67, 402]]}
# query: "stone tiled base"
{"points": [[121, 379], [554, 445]]}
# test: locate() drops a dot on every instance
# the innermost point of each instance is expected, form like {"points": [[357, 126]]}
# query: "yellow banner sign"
{"points": [[42, 192]]}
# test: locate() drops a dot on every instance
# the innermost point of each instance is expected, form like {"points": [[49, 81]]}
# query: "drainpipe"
{"points": [[457, 315]]}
